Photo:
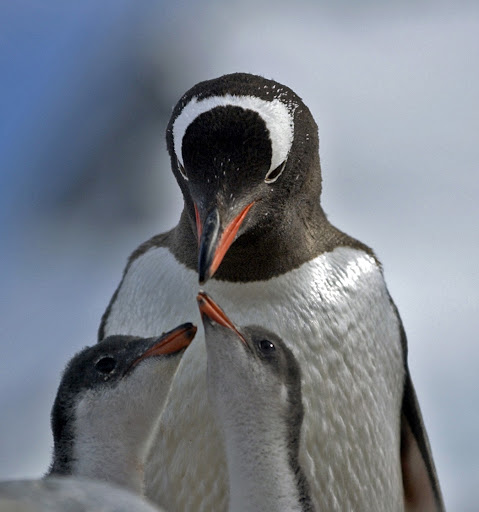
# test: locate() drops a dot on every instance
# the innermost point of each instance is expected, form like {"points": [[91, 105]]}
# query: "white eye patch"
{"points": [[275, 114]]}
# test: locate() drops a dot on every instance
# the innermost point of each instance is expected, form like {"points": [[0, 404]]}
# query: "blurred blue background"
{"points": [[85, 94]]}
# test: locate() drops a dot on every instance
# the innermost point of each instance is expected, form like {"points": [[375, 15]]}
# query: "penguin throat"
{"points": [[276, 243]]}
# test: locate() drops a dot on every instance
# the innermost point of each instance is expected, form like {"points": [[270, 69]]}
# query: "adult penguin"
{"points": [[244, 151]]}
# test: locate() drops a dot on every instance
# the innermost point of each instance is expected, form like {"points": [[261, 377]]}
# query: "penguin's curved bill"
{"points": [[214, 241], [211, 310], [170, 342]]}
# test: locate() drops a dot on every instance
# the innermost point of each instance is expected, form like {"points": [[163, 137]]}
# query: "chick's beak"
{"points": [[211, 310], [170, 342]]}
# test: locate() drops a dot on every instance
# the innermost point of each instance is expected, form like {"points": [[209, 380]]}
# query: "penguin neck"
{"points": [[263, 467], [285, 241], [113, 452]]}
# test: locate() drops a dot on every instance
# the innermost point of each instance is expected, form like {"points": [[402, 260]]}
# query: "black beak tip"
{"points": [[203, 272], [202, 278], [190, 327]]}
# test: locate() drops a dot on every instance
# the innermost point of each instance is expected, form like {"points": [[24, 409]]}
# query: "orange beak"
{"points": [[211, 310], [214, 244], [171, 342]]}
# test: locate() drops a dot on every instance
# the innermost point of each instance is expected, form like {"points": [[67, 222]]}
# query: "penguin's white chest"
{"points": [[335, 314]]}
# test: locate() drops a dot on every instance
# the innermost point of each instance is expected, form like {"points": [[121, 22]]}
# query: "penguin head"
{"points": [[243, 149], [123, 380], [251, 373]]}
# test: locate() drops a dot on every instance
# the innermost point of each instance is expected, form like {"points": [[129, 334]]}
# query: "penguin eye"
{"points": [[274, 174], [266, 346], [105, 364], [182, 171]]}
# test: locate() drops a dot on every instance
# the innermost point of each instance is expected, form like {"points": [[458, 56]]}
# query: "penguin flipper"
{"points": [[420, 482]]}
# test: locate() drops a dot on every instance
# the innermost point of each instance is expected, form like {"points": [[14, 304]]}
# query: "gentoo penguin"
{"points": [[254, 388], [244, 151], [103, 418]]}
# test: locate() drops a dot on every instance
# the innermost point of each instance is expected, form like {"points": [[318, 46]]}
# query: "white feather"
{"points": [[68, 494], [114, 426], [335, 314]]}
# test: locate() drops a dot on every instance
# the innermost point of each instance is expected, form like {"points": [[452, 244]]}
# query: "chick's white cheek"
{"points": [[284, 394]]}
